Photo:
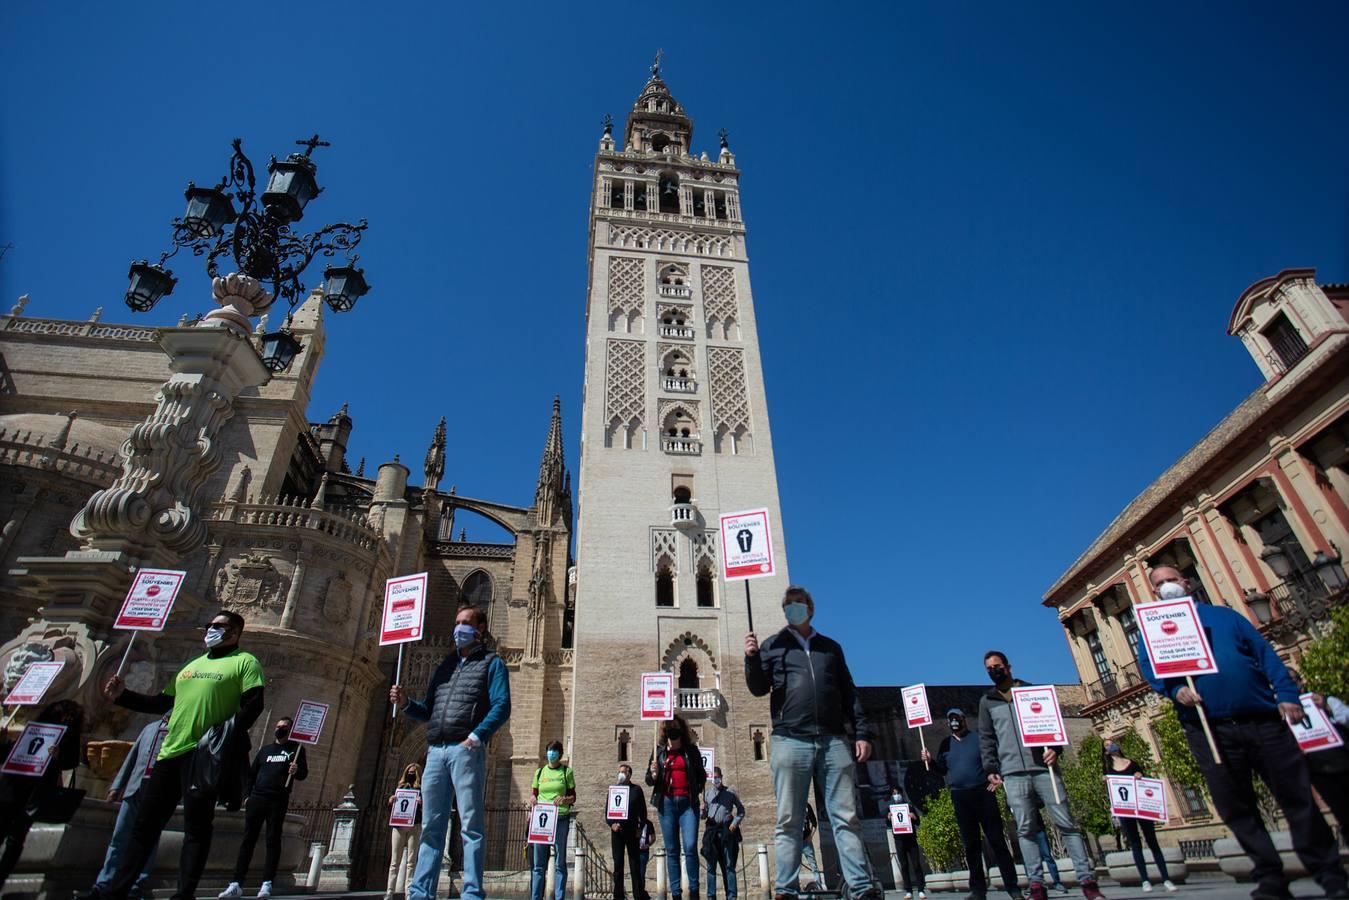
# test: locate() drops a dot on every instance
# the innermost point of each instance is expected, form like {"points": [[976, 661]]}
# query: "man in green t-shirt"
{"points": [[553, 783], [221, 684]]}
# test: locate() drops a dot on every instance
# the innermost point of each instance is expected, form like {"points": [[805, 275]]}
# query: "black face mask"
{"points": [[282, 734], [956, 724], [996, 674]]}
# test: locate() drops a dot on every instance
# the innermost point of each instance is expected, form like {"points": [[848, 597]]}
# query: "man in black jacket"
{"points": [[275, 768], [818, 731], [626, 836]]}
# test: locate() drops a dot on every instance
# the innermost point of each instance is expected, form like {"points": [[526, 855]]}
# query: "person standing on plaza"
{"points": [[404, 839], [21, 796], [1047, 852], [467, 700], [553, 783], [126, 790], [819, 733], [1249, 702], [275, 767], [212, 702], [646, 836], [1027, 774], [721, 835], [677, 779], [906, 848], [975, 804], [1116, 763], [625, 838], [1329, 769]]}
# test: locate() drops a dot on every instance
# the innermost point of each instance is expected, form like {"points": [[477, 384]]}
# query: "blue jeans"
{"points": [[679, 820], [455, 777], [829, 761], [538, 859], [117, 847], [1021, 793], [1042, 840]]}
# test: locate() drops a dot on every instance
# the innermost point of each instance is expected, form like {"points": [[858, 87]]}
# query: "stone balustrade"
{"points": [[699, 700], [677, 385], [682, 332], [681, 446], [296, 512], [21, 448]]}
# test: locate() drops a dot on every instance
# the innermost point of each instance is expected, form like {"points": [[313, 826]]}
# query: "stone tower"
{"points": [[674, 432]]}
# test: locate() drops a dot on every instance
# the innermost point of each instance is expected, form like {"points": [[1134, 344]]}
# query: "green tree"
{"points": [[1177, 762], [939, 836], [1325, 663]]}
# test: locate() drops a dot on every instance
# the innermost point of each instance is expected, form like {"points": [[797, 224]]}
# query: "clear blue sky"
{"points": [[994, 246]]}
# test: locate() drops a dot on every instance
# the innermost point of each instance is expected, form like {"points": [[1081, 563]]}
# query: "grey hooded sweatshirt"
{"points": [[1000, 747]]}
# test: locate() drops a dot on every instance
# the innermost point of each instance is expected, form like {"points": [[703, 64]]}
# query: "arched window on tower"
{"points": [[664, 586], [707, 596], [616, 194], [477, 590], [624, 741], [688, 675], [758, 745], [679, 423], [669, 192], [677, 362]]}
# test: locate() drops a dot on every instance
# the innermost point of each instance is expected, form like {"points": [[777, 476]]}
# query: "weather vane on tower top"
{"points": [[655, 64]]}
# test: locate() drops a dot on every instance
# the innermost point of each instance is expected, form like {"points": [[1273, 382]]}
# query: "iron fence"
{"points": [[1197, 849]]}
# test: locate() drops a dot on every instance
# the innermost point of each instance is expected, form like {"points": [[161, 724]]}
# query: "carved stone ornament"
{"points": [[249, 583], [337, 599], [24, 656], [54, 645]]}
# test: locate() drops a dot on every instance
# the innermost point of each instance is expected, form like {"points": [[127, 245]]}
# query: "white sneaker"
{"points": [[922, 895], [265, 890], [908, 896], [232, 891], [1147, 887], [1169, 886]]}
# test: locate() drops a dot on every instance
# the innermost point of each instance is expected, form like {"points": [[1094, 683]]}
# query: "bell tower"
{"points": [[674, 433]]}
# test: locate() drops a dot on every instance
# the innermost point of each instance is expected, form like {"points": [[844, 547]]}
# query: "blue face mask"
{"points": [[554, 756], [464, 635], [797, 613]]}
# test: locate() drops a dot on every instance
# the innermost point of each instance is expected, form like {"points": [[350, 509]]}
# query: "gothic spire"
{"points": [[552, 468], [435, 458]]}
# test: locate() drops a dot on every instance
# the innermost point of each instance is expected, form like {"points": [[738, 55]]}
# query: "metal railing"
{"points": [[1197, 849], [599, 877], [1122, 679]]}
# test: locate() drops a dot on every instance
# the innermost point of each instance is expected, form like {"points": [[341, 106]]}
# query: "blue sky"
{"points": [[993, 246]]}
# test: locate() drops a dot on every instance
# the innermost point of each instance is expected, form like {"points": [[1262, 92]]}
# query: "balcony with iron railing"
{"points": [[679, 332], [681, 446], [1301, 604], [1124, 678], [674, 384], [675, 291]]}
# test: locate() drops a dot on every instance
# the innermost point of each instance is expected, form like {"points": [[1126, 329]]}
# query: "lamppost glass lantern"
{"points": [[148, 285], [279, 349], [1277, 559], [290, 185], [1259, 604], [209, 210], [344, 286], [1329, 570]]}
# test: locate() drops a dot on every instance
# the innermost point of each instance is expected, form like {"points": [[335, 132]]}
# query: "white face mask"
{"points": [[214, 635], [1171, 591], [622, 777]]}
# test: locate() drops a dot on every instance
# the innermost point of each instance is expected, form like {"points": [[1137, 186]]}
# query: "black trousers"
{"points": [[159, 798], [976, 810], [910, 863], [260, 811], [1265, 746], [1131, 827], [1330, 777], [623, 842]]}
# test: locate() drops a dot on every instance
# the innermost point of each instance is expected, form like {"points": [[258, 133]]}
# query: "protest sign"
{"points": [[1174, 638], [916, 712], [404, 609], [1038, 717], [1315, 731], [709, 756], [308, 722], [658, 696], [746, 545], [1123, 795], [403, 814], [1151, 795], [901, 822], [34, 683], [34, 749], [149, 600], [620, 796], [543, 823]]}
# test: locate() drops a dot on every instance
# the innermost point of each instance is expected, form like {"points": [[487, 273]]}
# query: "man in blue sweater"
{"points": [[975, 805], [468, 699], [1247, 702]]}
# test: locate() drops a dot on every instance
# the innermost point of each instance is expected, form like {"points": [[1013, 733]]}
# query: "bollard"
{"points": [[894, 866], [578, 874], [765, 883], [316, 852], [550, 873], [659, 857]]}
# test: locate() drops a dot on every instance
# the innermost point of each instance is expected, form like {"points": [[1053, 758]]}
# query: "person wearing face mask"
{"points": [[975, 804], [819, 733], [467, 700], [677, 779], [1249, 700], [221, 689], [906, 848], [404, 839], [1028, 777], [1114, 762], [625, 838], [721, 836], [553, 783], [1329, 769], [275, 768]]}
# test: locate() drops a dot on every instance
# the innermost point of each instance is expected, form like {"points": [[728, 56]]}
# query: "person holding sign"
{"points": [[21, 796], [1114, 762], [906, 844], [1248, 700], [275, 768], [1026, 774], [126, 789], [404, 839], [467, 701], [220, 692], [1327, 760], [627, 817], [819, 733], [721, 835], [677, 779], [556, 784]]}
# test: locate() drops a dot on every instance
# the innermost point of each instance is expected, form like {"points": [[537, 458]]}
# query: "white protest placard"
{"points": [[403, 813], [37, 678], [1151, 794], [709, 756], [916, 712], [1315, 731], [404, 609], [1123, 794], [658, 695], [746, 545], [620, 797], [901, 821], [155, 744], [34, 749], [1038, 716], [1174, 638], [308, 722], [149, 600], [543, 823]]}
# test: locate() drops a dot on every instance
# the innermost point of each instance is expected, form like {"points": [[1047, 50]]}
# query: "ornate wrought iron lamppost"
{"points": [[267, 253]]}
